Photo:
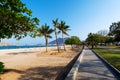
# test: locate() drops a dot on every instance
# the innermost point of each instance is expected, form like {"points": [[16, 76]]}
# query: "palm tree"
{"points": [[56, 24], [63, 28], [45, 31]]}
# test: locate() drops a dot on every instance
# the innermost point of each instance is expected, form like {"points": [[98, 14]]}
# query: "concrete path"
{"points": [[92, 68]]}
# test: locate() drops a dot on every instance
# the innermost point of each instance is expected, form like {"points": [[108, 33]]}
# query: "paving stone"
{"points": [[92, 68]]}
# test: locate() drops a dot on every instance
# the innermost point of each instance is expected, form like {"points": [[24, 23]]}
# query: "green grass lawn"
{"points": [[112, 57], [116, 47]]}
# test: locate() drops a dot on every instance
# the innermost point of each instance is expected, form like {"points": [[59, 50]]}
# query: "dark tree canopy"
{"points": [[63, 28], [93, 39], [73, 40], [15, 19], [115, 30]]}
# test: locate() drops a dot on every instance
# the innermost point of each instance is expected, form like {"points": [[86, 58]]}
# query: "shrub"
{"points": [[1, 67]]}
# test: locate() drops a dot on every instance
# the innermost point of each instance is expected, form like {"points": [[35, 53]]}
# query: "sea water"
{"points": [[17, 47]]}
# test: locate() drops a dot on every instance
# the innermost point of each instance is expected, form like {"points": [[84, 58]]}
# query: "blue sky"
{"points": [[83, 16]]}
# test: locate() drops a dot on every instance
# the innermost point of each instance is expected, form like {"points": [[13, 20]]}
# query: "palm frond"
{"points": [[58, 32], [55, 22], [50, 31], [44, 30], [65, 33], [63, 27], [48, 36]]}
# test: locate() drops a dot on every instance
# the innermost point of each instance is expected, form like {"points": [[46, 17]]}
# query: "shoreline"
{"points": [[20, 50], [21, 47], [31, 48]]}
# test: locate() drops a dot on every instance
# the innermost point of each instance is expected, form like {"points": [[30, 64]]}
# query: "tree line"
{"points": [[103, 37], [59, 27]]}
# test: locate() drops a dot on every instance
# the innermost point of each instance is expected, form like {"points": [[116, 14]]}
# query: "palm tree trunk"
{"points": [[46, 43], [63, 41], [57, 40]]}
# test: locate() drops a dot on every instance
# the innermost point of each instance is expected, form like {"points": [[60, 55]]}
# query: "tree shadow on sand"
{"points": [[41, 73], [13, 70], [16, 53]]}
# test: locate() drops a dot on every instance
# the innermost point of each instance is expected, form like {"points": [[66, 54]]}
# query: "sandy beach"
{"points": [[35, 63]]}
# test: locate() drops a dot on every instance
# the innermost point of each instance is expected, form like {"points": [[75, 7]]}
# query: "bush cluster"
{"points": [[1, 67]]}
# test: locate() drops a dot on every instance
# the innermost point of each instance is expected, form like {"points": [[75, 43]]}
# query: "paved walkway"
{"points": [[91, 68]]}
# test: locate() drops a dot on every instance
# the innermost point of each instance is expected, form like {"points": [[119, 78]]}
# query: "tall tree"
{"points": [[73, 40], [93, 39], [115, 30], [45, 31], [102, 36], [63, 28], [15, 19], [56, 24]]}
